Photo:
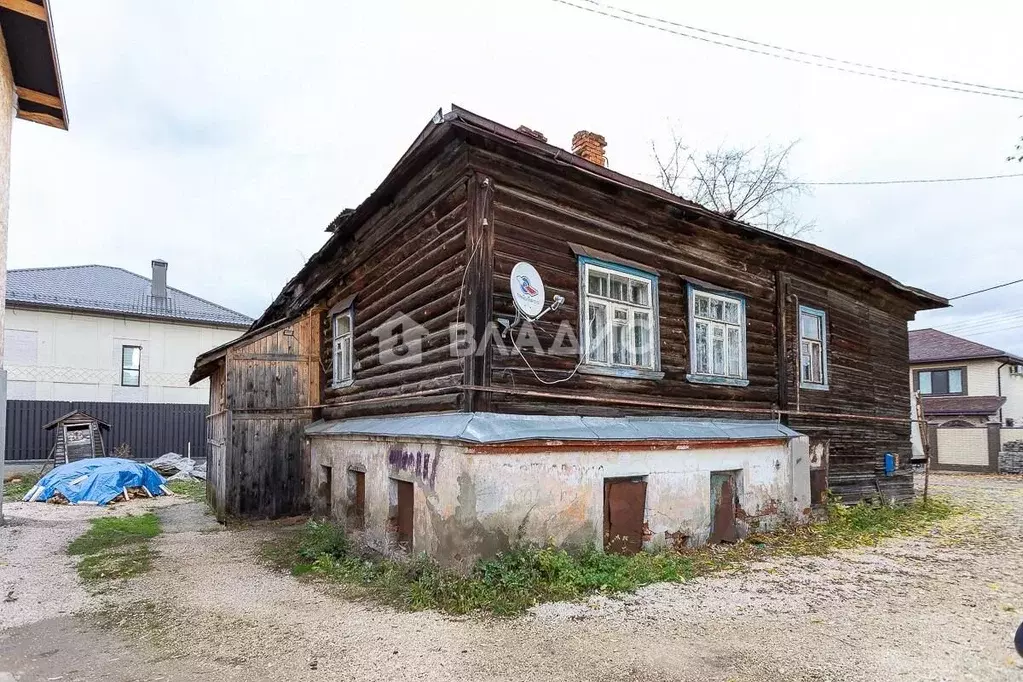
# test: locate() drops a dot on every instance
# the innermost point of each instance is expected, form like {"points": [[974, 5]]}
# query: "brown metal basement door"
{"points": [[624, 503], [723, 500]]}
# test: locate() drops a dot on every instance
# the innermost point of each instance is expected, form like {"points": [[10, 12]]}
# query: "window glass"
{"points": [[939, 382], [925, 382], [718, 341], [343, 347], [955, 381], [811, 328], [597, 333], [812, 348], [620, 319], [131, 366]]}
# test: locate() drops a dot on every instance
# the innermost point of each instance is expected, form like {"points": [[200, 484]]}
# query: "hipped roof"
{"points": [[311, 281]]}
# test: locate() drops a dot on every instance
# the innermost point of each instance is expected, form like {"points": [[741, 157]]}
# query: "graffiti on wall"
{"points": [[423, 464]]}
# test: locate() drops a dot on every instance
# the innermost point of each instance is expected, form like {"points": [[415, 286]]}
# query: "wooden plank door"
{"points": [[624, 506], [723, 500]]}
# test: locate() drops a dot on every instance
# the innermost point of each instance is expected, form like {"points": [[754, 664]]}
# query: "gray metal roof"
{"points": [[490, 427], [105, 289]]}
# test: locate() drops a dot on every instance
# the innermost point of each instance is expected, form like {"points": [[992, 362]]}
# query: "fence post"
{"points": [[994, 445]]}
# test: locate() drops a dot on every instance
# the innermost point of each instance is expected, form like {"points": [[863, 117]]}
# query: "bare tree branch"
{"points": [[752, 184]]}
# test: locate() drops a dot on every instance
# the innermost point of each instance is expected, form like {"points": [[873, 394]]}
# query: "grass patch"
{"points": [[193, 490], [115, 531], [16, 489], [515, 580], [116, 547]]}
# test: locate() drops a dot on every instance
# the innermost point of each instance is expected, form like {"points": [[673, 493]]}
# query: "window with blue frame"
{"points": [[813, 348], [619, 316], [717, 337]]}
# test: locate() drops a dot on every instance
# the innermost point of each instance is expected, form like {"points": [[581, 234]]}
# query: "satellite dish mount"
{"points": [[529, 295]]}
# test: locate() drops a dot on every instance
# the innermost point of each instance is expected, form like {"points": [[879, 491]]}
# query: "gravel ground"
{"points": [[941, 607]]}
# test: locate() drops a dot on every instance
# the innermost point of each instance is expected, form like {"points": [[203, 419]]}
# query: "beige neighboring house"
{"points": [[964, 382], [30, 89], [95, 333]]}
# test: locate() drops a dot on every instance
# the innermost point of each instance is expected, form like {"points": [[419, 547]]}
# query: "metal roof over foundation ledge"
{"points": [[491, 427]]}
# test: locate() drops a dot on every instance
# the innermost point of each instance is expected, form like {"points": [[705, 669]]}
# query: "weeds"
{"points": [[193, 490], [19, 485], [515, 580], [116, 547]]}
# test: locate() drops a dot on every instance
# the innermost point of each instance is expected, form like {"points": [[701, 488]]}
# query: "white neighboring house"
{"points": [[962, 381], [103, 334]]}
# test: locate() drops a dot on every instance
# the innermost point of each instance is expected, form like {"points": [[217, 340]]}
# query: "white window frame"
{"points": [[126, 368], [816, 345], [709, 376], [342, 353], [633, 366]]}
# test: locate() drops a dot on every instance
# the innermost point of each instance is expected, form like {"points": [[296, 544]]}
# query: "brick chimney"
{"points": [[590, 146]]}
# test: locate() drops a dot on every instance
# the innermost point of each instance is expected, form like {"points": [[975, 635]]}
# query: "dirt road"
{"points": [[937, 608]]}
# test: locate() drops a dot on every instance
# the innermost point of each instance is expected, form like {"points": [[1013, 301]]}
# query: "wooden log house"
{"points": [[711, 356]]}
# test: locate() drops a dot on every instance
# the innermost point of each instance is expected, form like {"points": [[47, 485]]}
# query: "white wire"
{"points": [[511, 337]]}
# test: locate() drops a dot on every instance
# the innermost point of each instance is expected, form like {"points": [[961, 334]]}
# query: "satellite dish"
{"points": [[527, 290]]}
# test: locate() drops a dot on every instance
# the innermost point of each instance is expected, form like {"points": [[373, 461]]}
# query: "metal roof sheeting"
{"points": [[105, 289], [490, 427]]}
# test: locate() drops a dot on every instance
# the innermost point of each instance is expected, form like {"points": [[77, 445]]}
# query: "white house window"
{"points": [[620, 324], [717, 324], [343, 324], [131, 365], [813, 348]]}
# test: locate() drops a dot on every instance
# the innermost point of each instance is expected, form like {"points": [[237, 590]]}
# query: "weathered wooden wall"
{"points": [[868, 356], [217, 428], [406, 263], [271, 387], [538, 213]]}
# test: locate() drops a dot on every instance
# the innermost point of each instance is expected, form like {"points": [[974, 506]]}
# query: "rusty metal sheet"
{"points": [[624, 506], [723, 499], [404, 517]]}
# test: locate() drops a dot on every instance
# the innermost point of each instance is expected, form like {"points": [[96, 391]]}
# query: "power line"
{"points": [[981, 291], [911, 182], [793, 55]]}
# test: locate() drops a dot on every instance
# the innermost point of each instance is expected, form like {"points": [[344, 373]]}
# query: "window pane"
{"points": [[639, 292], [925, 382], [805, 372], [642, 331], [621, 343], [130, 377], [811, 326], [131, 357], [816, 370], [702, 306], [939, 382], [597, 333], [734, 350], [955, 381], [717, 309], [732, 312], [342, 325], [619, 288], [597, 284], [702, 359], [717, 355]]}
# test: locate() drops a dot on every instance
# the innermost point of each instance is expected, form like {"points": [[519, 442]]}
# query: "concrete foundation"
{"points": [[472, 501]]}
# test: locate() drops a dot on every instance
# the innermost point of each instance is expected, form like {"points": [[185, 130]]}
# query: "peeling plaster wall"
{"points": [[469, 505]]}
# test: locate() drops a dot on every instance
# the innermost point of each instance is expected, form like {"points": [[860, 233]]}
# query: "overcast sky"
{"points": [[224, 136]]}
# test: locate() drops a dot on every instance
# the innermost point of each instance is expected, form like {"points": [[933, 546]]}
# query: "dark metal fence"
{"points": [[150, 429]]}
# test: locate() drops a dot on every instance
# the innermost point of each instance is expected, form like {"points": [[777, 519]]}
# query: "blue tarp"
{"points": [[97, 480]]}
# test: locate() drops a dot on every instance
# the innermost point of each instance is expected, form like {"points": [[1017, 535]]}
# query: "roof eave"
{"points": [[47, 106]]}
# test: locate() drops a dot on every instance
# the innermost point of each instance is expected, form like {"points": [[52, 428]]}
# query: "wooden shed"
{"points": [[79, 436], [264, 388]]}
